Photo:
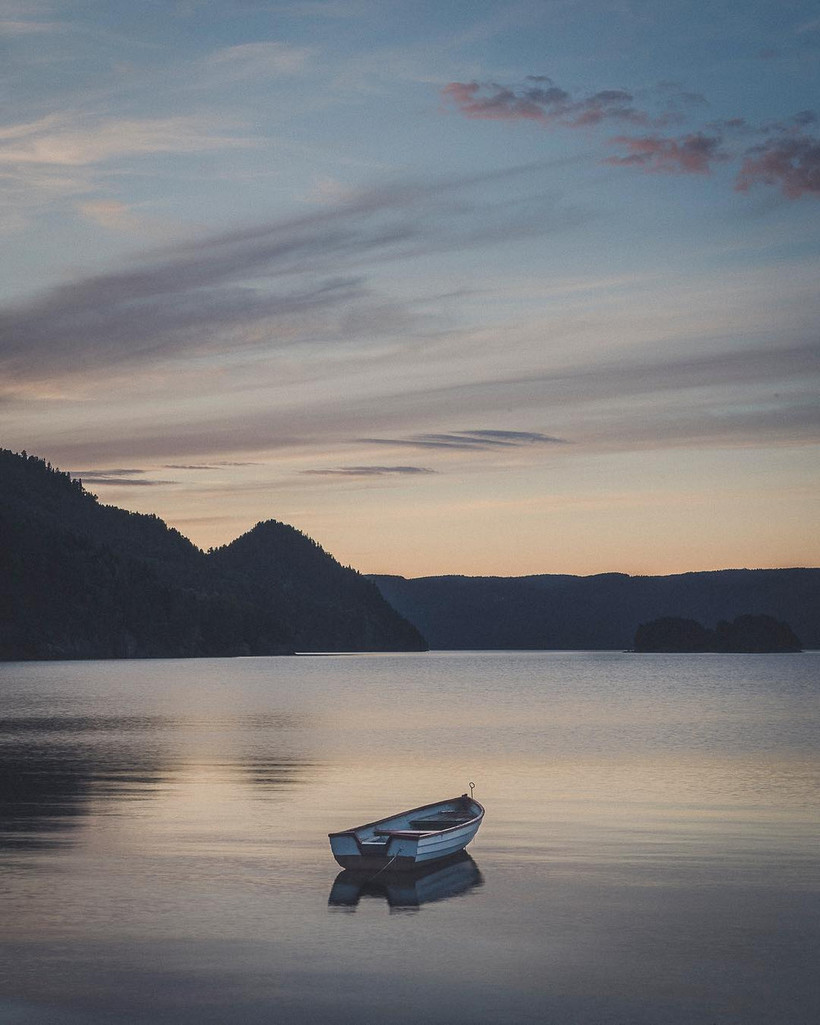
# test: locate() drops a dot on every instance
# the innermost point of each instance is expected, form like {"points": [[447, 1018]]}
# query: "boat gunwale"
{"points": [[412, 834]]}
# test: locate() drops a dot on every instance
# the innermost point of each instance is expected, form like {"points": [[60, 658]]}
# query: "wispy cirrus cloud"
{"points": [[473, 441], [252, 290], [787, 153], [371, 471], [218, 465], [95, 144], [73, 140], [738, 395], [332, 9], [119, 477], [254, 61], [111, 214], [21, 27]]}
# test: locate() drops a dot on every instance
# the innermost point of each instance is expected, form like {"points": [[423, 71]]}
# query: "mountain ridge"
{"points": [[79, 579], [597, 612]]}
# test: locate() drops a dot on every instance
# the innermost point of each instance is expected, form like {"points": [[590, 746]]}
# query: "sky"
{"points": [[487, 288]]}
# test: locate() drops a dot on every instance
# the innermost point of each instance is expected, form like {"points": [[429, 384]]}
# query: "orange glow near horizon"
{"points": [[601, 514]]}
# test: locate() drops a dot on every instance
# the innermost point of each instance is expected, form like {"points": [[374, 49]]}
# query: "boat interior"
{"points": [[422, 820]]}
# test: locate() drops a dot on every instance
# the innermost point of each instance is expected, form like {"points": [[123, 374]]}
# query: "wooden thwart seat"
{"points": [[376, 841]]}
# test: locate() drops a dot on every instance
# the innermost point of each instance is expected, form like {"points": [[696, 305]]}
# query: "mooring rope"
{"points": [[385, 867]]}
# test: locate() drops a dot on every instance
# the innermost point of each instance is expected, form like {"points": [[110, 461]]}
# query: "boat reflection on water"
{"points": [[406, 890]]}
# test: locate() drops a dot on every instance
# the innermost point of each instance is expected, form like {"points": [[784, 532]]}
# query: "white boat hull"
{"points": [[405, 841]]}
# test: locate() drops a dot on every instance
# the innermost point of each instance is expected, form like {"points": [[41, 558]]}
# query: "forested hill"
{"points": [[596, 612], [83, 580], [320, 605]]}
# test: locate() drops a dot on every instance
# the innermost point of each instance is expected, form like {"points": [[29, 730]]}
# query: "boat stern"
{"points": [[344, 847], [351, 851]]}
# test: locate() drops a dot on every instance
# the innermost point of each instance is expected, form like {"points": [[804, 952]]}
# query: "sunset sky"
{"points": [[452, 287]]}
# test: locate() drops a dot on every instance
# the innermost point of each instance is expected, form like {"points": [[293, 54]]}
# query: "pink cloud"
{"points": [[793, 162], [788, 156], [539, 99], [691, 154], [609, 105], [497, 102]]}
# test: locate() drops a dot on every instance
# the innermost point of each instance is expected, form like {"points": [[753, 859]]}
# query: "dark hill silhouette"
{"points": [[756, 634], [596, 612], [750, 634], [323, 606], [671, 633], [83, 580]]}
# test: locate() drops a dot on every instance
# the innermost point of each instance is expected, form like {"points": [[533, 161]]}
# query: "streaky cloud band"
{"points": [[477, 440], [370, 471]]}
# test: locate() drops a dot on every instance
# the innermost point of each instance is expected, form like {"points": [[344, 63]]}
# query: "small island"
{"points": [[748, 633]]}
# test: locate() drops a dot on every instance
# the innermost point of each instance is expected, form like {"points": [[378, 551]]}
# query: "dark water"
{"points": [[649, 856]]}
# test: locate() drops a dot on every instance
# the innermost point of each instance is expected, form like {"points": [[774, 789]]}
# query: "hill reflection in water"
{"points": [[57, 772]]}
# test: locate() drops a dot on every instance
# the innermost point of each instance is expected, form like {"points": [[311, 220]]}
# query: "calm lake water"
{"points": [[649, 855]]}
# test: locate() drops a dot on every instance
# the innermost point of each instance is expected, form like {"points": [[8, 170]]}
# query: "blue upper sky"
{"points": [[453, 287]]}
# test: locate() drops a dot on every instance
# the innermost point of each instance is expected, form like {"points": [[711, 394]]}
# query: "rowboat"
{"points": [[436, 881], [411, 838]]}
